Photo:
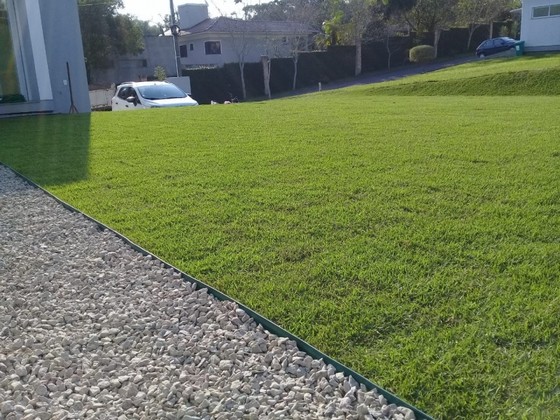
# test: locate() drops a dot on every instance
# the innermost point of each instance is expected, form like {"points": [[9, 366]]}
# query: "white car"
{"points": [[142, 95]]}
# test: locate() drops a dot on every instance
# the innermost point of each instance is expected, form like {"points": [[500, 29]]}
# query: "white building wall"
{"points": [[541, 33], [257, 46]]}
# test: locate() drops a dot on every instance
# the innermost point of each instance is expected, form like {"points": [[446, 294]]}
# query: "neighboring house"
{"points": [[158, 51], [214, 42], [42, 67], [540, 25]]}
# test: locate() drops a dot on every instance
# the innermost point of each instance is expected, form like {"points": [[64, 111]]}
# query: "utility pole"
{"points": [[175, 32]]}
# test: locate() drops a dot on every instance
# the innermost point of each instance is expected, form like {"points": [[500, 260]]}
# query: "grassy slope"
{"points": [[529, 75], [415, 239]]}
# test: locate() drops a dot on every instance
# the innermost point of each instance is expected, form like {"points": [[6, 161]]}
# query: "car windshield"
{"points": [[155, 92]]}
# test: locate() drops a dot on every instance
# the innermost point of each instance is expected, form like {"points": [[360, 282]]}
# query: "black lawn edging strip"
{"points": [[265, 322]]}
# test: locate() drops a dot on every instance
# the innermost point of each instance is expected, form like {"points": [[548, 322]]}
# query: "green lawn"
{"points": [[528, 75], [414, 238]]}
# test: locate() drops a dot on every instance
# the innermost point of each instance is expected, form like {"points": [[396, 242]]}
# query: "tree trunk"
{"points": [[269, 65], [472, 28], [389, 52], [491, 29], [358, 64], [266, 74], [294, 81], [437, 35], [242, 72]]}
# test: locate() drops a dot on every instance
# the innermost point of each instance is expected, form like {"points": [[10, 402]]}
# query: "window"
{"points": [[9, 80], [540, 11], [191, 47], [127, 92], [183, 51], [23, 55], [212, 47], [546, 11]]}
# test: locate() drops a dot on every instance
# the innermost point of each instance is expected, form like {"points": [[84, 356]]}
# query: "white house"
{"points": [[42, 67], [205, 41], [540, 25]]}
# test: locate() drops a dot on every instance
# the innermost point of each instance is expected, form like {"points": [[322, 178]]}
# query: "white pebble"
{"points": [[103, 331]]}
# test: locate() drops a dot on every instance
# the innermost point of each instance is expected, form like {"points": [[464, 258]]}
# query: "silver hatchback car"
{"points": [[142, 95]]}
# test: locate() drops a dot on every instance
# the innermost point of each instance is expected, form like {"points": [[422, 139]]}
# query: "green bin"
{"points": [[519, 48]]}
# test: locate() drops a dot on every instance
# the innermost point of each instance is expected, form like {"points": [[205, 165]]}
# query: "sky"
{"points": [[154, 10]]}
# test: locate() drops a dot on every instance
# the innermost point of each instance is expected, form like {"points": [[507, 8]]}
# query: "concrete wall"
{"points": [[541, 33], [192, 13], [63, 42], [158, 51], [101, 98]]}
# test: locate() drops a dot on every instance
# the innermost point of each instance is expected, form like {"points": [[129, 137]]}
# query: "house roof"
{"points": [[229, 25]]}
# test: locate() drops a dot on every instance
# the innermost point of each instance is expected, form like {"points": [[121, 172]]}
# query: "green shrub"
{"points": [[159, 73], [422, 54]]}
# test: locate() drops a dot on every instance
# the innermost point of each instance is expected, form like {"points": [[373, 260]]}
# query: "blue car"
{"points": [[495, 45]]}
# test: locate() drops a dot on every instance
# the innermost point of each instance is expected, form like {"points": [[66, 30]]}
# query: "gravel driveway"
{"points": [[90, 328]]}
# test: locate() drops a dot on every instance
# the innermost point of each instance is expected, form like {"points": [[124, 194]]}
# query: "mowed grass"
{"points": [[415, 239], [528, 75]]}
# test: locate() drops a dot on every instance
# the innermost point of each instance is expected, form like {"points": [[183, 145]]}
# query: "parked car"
{"points": [[141, 95], [495, 45]]}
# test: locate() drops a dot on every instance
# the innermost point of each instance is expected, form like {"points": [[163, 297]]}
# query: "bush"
{"points": [[422, 54], [159, 73]]}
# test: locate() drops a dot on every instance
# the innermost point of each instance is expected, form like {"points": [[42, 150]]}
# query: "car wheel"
{"points": [[481, 55]]}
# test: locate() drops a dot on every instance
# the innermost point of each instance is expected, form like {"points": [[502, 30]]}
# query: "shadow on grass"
{"points": [[59, 142]]}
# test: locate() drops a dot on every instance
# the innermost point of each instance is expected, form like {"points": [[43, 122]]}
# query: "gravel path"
{"points": [[90, 328]]}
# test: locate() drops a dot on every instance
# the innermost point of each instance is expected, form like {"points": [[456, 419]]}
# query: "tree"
{"points": [[105, 33], [165, 24], [276, 10], [126, 35], [388, 30], [496, 9], [427, 15], [314, 12], [148, 29], [349, 22], [270, 51], [394, 26], [396, 8], [475, 13], [239, 35], [331, 30], [305, 16], [432, 16], [159, 73], [298, 43], [472, 13]]}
